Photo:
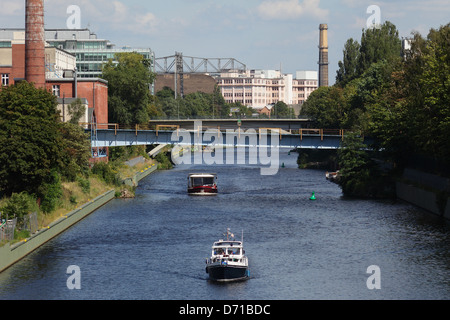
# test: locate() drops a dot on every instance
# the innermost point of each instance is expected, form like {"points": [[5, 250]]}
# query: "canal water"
{"points": [[155, 246]]}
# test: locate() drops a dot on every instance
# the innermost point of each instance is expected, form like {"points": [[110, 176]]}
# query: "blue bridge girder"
{"points": [[230, 138]]}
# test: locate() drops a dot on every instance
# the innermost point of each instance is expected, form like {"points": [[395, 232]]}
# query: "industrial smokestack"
{"points": [[35, 42], [323, 56]]}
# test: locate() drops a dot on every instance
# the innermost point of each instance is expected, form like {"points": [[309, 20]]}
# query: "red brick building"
{"points": [[92, 90], [95, 90]]}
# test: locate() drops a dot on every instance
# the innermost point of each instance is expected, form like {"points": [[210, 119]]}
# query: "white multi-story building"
{"points": [[260, 88], [303, 85]]}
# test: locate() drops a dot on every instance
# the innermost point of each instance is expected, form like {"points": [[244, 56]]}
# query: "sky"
{"points": [[262, 34]]}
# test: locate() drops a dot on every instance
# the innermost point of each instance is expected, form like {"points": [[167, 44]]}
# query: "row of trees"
{"points": [[205, 105], [401, 101], [130, 100]]}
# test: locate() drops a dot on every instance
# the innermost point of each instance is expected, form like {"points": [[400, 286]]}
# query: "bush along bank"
{"points": [[164, 160], [361, 174]]}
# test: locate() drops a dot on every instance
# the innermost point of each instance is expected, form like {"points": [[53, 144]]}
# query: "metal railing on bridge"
{"points": [[158, 127], [114, 135]]}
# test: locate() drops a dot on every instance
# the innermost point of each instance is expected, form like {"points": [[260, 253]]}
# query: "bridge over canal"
{"points": [[209, 133]]}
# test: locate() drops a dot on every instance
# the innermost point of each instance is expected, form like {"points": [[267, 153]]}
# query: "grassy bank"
{"points": [[101, 178]]}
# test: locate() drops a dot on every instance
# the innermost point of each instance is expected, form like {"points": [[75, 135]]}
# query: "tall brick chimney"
{"points": [[35, 42], [323, 56]]}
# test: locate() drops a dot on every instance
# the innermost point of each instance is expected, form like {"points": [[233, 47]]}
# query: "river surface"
{"points": [[155, 245]]}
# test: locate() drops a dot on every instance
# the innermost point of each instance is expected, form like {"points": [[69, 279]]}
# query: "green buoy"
{"points": [[313, 197]]}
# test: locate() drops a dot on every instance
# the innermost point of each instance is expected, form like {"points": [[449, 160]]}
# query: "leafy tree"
{"points": [[170, 107], [410, 111], [348, 68], [18, 206], [355, 175], [197, 105], [281, 110], [129, 81], [434, 82], [165, 93], [327, 106], [155, 111], [76, 110], [193, 105], [106, 172], [377, 44], [221, 108], [29, 138], [76, 151], [51, 192]]}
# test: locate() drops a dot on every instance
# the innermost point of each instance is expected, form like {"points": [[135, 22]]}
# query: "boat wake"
{"points": [[179, 274]]}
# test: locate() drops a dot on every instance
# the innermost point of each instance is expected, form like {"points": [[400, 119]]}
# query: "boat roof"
{"points": [[202, 175], [227, 243]]}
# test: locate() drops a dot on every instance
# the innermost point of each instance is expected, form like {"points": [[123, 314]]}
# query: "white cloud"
{"points": [[146, 23], [291, 9], [104, 15], [11, 8], [120, 11], [118, 15]]}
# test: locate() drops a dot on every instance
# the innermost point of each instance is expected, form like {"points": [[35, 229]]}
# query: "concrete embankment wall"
{"points": [[425, 191], [10, 254], [134, 181]]}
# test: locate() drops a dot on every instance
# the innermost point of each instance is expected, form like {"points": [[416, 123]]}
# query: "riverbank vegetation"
{"points": [[45, 163], [399, 99], [67, 195]]}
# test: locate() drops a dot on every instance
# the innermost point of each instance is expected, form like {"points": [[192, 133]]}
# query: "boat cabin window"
{"points": [[234, 251], [202, 181], [221, 251]]}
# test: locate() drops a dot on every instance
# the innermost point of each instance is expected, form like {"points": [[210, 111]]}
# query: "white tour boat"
{"points": [[228, 261], [203, 184]]}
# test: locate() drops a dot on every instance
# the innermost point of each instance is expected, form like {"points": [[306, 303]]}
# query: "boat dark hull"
{"points": [[227, 273], [202, 191]]}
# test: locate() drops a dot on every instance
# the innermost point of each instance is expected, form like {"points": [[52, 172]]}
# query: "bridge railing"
{"points": [[157, 127]]}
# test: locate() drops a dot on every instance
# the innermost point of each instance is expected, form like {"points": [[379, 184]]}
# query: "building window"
{"points": [[56, 89], [5, 79]]}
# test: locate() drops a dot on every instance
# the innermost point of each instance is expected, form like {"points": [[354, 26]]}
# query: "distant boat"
{"points": [[228, 261], [332, 176], [203, 184]]}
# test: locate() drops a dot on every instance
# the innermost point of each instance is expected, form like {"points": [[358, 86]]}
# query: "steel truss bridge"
{"points": [[179, 65]]}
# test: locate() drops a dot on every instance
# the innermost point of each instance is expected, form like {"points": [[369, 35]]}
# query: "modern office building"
{"points": [[90, 52]]}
